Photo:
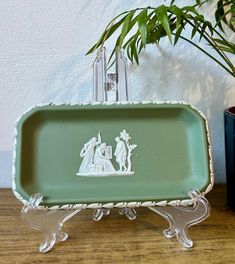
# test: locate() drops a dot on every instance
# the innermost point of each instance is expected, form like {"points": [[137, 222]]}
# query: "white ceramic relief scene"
{"points": [[97, 157]]}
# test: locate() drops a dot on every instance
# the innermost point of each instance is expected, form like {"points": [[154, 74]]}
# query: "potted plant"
{"points": [[149, 25]]}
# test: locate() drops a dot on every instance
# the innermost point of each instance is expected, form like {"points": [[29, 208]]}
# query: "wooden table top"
{"points": [[115, 239]]}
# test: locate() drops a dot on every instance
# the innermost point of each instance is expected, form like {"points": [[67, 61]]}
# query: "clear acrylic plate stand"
{"points": [[113, 86]]}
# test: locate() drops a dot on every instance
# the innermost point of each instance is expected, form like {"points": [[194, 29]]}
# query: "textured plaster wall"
{"points": [[42, 60]]}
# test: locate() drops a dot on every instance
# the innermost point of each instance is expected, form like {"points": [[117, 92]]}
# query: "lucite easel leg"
{"points": [[180, 218], [130, 213], [50, 222], [99, 213]]}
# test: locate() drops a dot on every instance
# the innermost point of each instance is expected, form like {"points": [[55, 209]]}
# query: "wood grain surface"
{"points": [[115, 239]]}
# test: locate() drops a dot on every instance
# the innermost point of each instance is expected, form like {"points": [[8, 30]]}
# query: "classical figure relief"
{"points": [[87, 153], [121, 154], [102, 161], [97, 157]]}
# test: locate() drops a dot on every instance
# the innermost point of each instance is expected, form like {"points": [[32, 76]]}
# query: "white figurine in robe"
{"points": [[87, 153], [120, 154], [102, 163]]}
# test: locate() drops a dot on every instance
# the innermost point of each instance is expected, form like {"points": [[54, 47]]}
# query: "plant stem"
{"points": [[208, 39], [209, 55], [212, 40]]}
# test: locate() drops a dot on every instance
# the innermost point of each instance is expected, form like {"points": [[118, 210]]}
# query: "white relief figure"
{"points": [[102, 163], [97, 157], [120, 154], [126, 137], [87, 153]]}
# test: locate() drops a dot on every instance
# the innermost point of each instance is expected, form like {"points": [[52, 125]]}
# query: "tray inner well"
{"points": [[171, 154]]}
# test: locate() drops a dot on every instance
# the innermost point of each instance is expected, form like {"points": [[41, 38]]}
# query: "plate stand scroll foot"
{"points": [[99, 213], [181, 217], [48, 221], [130, 213]]}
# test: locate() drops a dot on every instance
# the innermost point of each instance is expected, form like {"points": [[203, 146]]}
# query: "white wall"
{"points": [[42, 60]]}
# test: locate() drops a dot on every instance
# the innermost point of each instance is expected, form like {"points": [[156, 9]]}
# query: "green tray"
{"points": [[172, 153]]}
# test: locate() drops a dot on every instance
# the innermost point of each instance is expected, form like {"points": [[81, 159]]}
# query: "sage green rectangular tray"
{"points": [[172, 153]]}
